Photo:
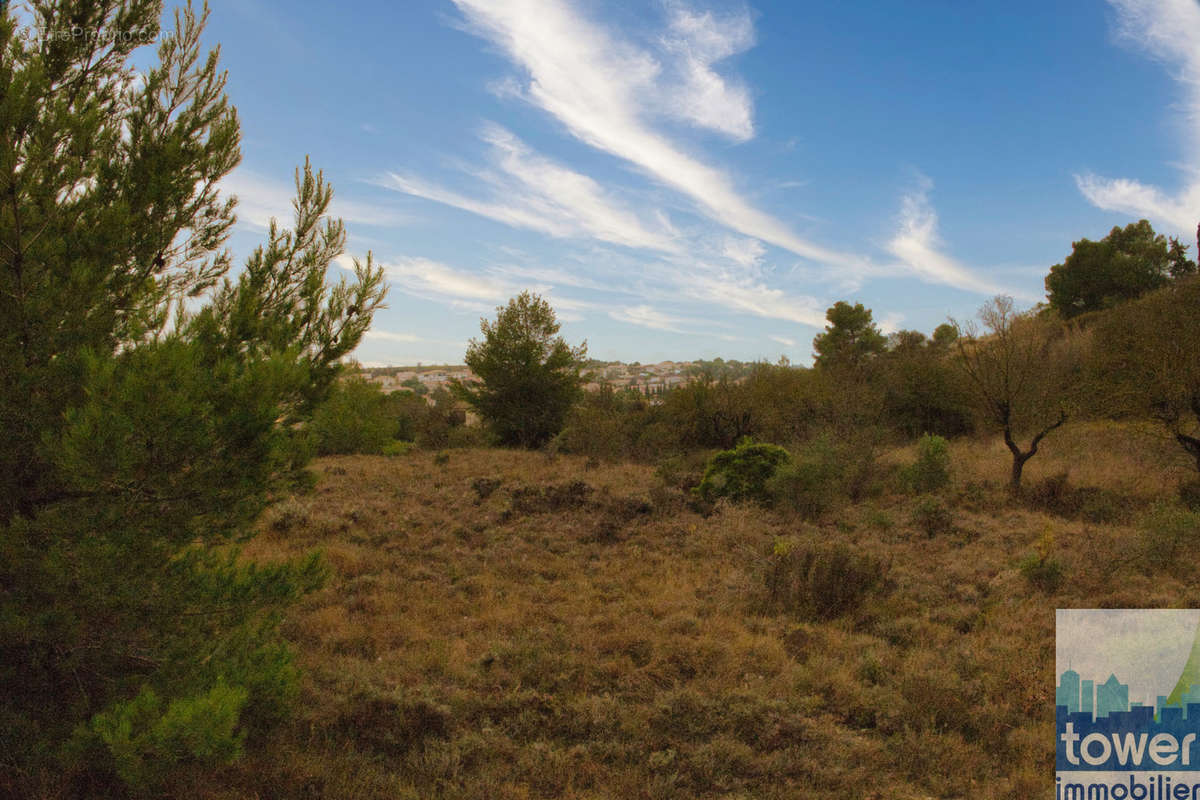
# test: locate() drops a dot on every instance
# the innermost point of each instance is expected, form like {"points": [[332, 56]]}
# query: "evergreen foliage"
{"points": [[145, 428], [931, 471], [528, 376], [356, 418], [850, 339], [742, 473], [1127, 263]]}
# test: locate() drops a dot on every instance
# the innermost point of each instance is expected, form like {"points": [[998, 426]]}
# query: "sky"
{"points": [[686, 179], [1147, 649]]}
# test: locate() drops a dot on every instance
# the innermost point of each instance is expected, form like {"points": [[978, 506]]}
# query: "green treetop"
{"points": [[1123, 265], [850, 339]]}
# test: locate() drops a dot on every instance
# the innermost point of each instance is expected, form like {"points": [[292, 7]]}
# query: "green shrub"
{"points": [[931, 471], [812, 483], [1043, 573], [144, 740], [355, 419], [933, 517], [397, 448], [742, 473], [822, 581], [1041, 568], [437, 426], [1168, 538]]}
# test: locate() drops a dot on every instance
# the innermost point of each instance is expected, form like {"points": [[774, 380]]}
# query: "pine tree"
{"points": [[528, 376], [144, 429]]}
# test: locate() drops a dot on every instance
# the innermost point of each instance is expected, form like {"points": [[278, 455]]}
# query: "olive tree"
{"points": [[1015, 367]]}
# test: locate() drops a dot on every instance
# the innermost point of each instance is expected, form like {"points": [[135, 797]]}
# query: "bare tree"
{"points": [[1012, 368]]}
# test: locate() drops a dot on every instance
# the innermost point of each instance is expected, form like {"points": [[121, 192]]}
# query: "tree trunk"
{"points": [[1020, 457]]}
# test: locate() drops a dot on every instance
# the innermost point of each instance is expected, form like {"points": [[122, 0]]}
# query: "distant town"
{"points": [[647, 379]]}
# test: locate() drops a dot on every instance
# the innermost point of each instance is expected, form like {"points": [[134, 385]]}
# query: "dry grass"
{"points": [[586, 645], [1132, 460]]}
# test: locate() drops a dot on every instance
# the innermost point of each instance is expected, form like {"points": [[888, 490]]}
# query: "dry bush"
{"points": [[819, 581]]}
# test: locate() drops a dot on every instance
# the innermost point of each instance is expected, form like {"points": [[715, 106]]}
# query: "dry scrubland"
{"points": [[491, 631]]}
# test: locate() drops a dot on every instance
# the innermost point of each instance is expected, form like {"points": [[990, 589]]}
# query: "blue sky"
{"points": [[701, 179]]}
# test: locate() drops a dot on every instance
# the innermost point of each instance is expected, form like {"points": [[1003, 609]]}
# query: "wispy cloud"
{"points": [[890, 322], [783, 340], [919, 247], [478, 291], [705, 98], [392, 336], [604, 91], [753, 297], [533, 192], [1168, 30], [433, 280], [746, 252], [260, 199], [647, 317]]}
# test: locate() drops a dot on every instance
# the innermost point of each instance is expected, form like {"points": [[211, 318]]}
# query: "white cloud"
{"points": [[533, 192], [422, 277], [647, 317], [1168, 30], [918, 245], [705, 98], [603, 90], [890, 322], [746, 252], [1132, 197], [261, 198], [553, 277], [783, 340], [753, 297], [462, 289], [391, 336]]}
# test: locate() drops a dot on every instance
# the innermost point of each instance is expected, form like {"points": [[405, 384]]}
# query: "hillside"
{"points": [[505, 624]]}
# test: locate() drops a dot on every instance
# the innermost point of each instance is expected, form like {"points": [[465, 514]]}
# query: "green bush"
{"points": [[812, 483], [822, 581], [933, 517], [355, 419], [1041, 568], [437, 426], [1168, 538], [742, 473], [1043, 572], [397, 448], [931, 471]]}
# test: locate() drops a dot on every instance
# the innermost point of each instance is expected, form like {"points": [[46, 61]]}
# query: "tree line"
{"points": [[1117, 337]]}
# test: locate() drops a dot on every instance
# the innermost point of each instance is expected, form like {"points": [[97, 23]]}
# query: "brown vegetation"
{"points": [[511, 624]]}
